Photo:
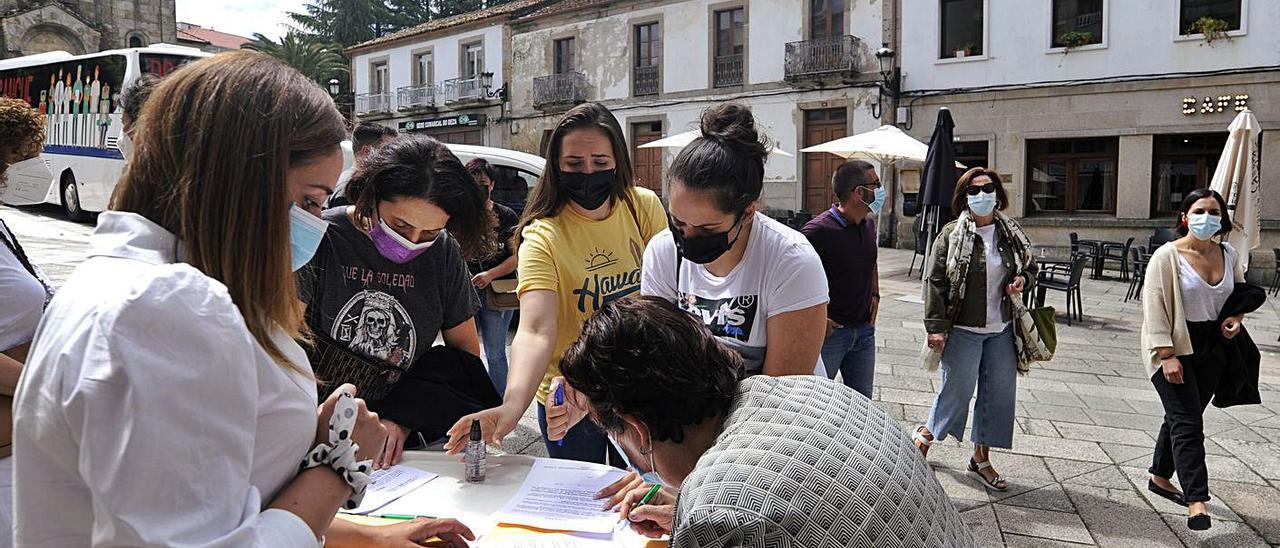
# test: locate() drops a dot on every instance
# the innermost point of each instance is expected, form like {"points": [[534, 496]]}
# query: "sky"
{"points": [[243, 17]]}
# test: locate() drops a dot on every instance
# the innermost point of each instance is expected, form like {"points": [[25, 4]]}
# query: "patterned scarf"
{"points": [[959, 253]]}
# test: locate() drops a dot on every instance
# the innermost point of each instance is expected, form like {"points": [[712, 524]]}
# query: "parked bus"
{"points": [[79, 96]]}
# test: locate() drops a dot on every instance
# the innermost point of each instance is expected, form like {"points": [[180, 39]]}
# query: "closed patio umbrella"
{"points": [[1236, 179], [939, 179]]}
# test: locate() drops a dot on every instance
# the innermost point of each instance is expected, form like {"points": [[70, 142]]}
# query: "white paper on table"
{"points": [[560, 495], [546, 540], [389, 485]]}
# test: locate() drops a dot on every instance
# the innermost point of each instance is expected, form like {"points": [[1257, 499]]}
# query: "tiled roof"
{"points": [[218, 39], [184, 36], [513, 8], [564, 6]]}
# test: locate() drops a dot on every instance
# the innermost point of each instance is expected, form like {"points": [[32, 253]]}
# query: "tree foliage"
{"points": [[317, 60]]}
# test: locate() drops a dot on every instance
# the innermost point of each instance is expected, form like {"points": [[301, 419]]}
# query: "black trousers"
{"points": [[1180, 445]]}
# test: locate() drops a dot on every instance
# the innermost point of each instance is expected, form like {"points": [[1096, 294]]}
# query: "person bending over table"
{"points": [[766, 461]]}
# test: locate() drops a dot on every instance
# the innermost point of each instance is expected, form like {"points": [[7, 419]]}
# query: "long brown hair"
{"points": [[216, 140], [547, 200]]}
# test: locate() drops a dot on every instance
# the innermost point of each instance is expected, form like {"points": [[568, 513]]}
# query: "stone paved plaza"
{"points": [[1085, 428]]}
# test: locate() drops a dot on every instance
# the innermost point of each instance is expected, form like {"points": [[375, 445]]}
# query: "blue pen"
{"points": [[560, 401]]}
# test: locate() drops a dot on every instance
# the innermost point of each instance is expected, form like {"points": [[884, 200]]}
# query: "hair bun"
{"points": [[733, 125]]}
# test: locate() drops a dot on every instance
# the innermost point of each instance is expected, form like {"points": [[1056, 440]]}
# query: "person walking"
{"points": [[845, 239], [24, 289], [499, 265], [1190, 282], [580, 246], [981, 263], [167, 369]]}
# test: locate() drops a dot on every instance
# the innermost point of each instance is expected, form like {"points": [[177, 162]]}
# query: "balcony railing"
{"points": [[821, 57], [373, 103], [569, 88], [645, 80], [460, 90], [728, 71], [414, 97]]}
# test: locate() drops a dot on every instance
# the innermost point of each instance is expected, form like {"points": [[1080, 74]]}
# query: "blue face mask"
{"points": [[878, 201], [1203, 226], [305, 232], [651, 477], [983, 204]]}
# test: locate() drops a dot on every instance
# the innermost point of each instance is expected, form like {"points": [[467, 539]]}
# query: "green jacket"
{"points": [[973, 309]]}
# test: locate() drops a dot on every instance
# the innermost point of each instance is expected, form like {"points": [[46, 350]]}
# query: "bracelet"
{"points": [[1169, 357], [340, 453], [875, 295]]}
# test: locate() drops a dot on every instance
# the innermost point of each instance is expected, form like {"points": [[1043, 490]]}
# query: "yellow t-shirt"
{"points": [[587, 263]]}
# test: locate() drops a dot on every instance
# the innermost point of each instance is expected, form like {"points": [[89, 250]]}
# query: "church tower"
{"points": [[83, 26]]}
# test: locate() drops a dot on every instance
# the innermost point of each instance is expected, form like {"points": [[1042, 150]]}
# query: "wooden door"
{"points": [[647, 161], [821, 126]]}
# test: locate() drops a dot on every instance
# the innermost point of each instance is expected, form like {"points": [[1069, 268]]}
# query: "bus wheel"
{"points": [[71, 199]]}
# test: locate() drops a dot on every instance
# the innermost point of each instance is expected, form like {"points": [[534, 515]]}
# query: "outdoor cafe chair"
{"points": [[1113, 251], [1138, 258], [1275, 277], [1070, 285]]}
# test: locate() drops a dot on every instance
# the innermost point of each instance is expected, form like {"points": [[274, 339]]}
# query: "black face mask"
{"points": [[588, 190], [708, 248]]}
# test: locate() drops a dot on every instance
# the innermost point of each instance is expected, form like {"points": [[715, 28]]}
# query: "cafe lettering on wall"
{"points": [[461, 120], [1214, 105]]}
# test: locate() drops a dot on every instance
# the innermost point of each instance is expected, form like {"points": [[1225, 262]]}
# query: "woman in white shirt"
{"points": [[756, 283], [165, 401], [23, 288]]}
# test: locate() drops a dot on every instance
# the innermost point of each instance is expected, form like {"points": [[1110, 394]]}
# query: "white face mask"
{"points": [[18, 175], [125, 144]]}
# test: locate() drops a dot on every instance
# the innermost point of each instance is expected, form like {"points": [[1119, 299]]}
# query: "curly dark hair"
{"points": [[645, 358], [21, 132], [416, 166]]}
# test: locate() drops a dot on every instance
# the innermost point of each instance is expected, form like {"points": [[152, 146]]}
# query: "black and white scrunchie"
{"points": [[340, 452]]}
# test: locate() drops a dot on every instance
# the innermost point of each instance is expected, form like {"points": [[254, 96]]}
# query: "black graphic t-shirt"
{"points": [[507, 222], [383, 310]]}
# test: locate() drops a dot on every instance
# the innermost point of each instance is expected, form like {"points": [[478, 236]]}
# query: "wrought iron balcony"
{"points": [[373, 103], [558, 90], [820, 58], [462, 90], [727, 71], [416, 97], [645, 80]]}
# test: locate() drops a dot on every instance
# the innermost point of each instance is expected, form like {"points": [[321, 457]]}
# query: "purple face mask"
{"points": [[395, 247]]}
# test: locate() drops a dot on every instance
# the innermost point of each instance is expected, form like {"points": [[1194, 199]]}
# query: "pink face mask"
{"points": [[395, 247]]}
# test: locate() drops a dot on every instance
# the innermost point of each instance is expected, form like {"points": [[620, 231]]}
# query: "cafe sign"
{"points": [[1214, 105], [461, 120]]}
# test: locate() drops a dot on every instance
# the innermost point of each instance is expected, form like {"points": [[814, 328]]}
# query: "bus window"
{"points": [[161, 64]]}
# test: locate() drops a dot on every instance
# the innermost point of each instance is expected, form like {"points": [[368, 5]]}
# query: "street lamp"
{"points": [[334, 88], [890, 78]]}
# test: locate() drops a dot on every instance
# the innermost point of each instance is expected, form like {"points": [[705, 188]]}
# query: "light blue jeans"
{"points": [[851, 351], [986, 362], [493, 326]]}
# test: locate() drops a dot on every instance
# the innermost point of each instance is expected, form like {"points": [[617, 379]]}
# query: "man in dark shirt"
{"points": [[845, 239]]}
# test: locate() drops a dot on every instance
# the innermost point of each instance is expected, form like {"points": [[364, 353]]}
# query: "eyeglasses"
{"points": [[974, 190]]}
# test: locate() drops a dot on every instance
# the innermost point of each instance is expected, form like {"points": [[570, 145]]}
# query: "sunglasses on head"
{"points": [[974, 190]]}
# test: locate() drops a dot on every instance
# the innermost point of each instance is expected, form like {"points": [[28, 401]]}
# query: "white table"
{"points": [[450, 496]]}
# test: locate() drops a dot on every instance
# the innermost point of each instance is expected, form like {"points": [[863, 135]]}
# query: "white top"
{"points": [[1202, 302], [341, 187], [147, 415], [996, 272], [779, 272], [23, 298]]}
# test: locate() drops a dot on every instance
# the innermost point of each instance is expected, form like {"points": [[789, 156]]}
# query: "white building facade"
{"points": [[807, 69], [1101, 114]]}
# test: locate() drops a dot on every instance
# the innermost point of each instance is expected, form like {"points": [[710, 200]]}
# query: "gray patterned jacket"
{"points": [[805, 462]]}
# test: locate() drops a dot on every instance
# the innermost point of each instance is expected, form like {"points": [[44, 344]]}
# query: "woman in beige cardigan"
{"points": [[1188, 282]]}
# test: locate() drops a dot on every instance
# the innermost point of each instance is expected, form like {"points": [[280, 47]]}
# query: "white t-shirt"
{"points": [[23, 298], [996, 272], [779, 272], [1202, 302]]}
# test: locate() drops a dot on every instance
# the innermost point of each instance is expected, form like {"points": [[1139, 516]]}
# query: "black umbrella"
{"points": [[939, 180]]}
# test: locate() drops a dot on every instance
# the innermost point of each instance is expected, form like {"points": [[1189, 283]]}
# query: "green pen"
{"points": [[643, 501], [401, 516]]}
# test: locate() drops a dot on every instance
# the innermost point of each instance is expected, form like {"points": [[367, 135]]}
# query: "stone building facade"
{"points": [[83, 26]]}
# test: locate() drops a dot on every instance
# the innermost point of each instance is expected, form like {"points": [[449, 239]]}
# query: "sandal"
{"points": [[922, 442], [998, 484]]}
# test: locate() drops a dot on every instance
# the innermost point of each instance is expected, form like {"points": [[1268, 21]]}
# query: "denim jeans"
{"points": [[493, 326], [852, 351], [584, 442], [989, 363]]}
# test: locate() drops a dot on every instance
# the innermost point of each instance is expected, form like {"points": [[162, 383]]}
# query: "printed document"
{"points": [[389, 485], [559, 495]]}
